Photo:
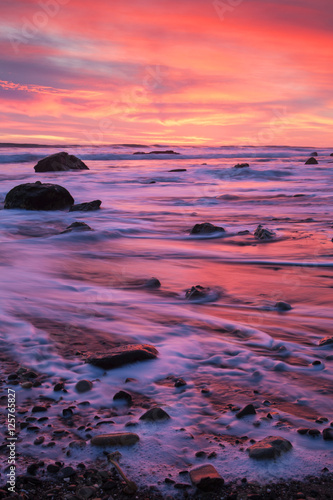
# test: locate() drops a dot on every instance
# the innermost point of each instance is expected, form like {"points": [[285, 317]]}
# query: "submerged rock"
{"points": [[152, 283], [283, 306], [123, 396], [270, 447], [241, 165], [206, 228], [77, 226], [60, 162], [115, 439], [86, 207], [314, 153], [83, 386], [123, 355], [311, 161], [156, 414], [168, 152], [38, 196], [326, 341], [328, 434], [196, 292], [178, 170], [262, 233], [206, 478], [247, 410]]}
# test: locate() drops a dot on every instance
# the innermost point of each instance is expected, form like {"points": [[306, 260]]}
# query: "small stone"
{"points": [[58, 387], [316, 362], [67, 412], [83, 386], [123, 396], [314, 153], [213, 454], [115, 439], [206, 478], [206, 228], [86, 492], [155, 415], [77, 226], [270, 447], [180, 382], [52, 468], [302, 431], [201, 454], [167, 480], [311, 161], [123, 355], [37, 409], [26, 385], [68, 472], [314, 432], [32, 469], [12, 376], [39, 440], [86, 207], [283, 306], [247, 410], [328, 434]]}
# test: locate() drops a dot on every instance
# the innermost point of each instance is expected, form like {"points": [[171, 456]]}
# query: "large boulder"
{"points": [[60, 162], [123, 355], [38, 196]]}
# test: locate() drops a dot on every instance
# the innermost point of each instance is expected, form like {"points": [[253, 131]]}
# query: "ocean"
{"points": [[65, 295]]}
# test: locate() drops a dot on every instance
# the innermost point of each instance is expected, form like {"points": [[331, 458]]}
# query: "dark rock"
{"points": [[152, 283], [263, 234], [58, 386], [314, 153], [37, 409], [77, 226], [68, 471], [206, 228], [83, 386], [86, 492], [123, 396], [247, 410], [243, 232], [178, 170], [270, 447], [155, 415], [39, 440], [201, 454], [316, 362], [314, 432], [86, 207], [60, 162], [38, 196], [206, 478], [326, 341], [180, 382], [167, 480], [196, 292], [52, 468], [123, 355], [283, 306], [241, 165], [328, 434], [311, 161], [168, 152], [67, 412], [115, 439], [32, 469]]}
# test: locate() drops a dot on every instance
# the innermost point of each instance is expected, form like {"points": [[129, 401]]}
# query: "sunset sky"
{"points": [[167, 71]]}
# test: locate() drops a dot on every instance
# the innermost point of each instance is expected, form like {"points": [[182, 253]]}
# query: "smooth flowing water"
{"points": [[64, 295]]}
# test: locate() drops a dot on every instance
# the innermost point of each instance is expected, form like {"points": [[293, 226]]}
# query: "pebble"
{"points": [[83, 386], [180, 382], [37, 409], [247, 410], [115, 439], [52, 468]]}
